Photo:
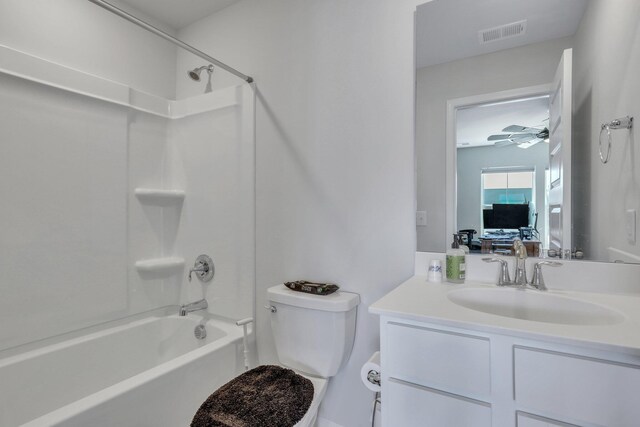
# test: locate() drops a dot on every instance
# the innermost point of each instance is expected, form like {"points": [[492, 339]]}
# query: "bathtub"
{"points": [[151, 371]]}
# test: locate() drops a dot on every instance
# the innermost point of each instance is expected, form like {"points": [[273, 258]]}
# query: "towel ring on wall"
{"points": [[623, 123], [604, 159]]}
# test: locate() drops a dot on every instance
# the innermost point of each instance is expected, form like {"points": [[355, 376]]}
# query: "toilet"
{"points": [[313, 335]]}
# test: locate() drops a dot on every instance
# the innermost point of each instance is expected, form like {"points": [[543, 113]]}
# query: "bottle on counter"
{"points": [[461, 244], [455, 262]]}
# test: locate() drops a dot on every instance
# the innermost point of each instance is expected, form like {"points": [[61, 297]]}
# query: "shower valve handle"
{"points": [[204, 269]]}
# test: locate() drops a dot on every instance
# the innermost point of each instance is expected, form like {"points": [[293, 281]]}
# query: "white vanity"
{"points": [[477, 355]]}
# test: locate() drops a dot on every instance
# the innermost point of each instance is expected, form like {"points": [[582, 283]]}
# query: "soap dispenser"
{"points": [[455, 262], [461, 244]]}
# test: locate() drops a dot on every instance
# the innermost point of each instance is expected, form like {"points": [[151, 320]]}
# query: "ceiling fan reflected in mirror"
{"points": [[522, 136]]}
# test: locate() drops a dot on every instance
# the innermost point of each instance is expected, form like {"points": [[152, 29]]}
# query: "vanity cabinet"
{"points": [[434, 375]]}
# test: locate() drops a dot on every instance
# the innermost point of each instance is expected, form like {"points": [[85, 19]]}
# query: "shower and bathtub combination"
{"points": [[113, 194]]}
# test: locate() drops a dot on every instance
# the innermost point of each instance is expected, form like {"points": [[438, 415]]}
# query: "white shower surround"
{"points": [[91, 230], [32, 68]]}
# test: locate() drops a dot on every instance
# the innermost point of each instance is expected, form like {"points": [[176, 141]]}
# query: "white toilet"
{"points": [[313, 336]]}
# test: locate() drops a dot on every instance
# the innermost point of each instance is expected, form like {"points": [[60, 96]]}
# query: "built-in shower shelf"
{"points": [[157, 196], [160, 265]]}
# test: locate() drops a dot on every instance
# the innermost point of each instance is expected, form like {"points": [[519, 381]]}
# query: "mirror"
{"points": [[511, 96]]}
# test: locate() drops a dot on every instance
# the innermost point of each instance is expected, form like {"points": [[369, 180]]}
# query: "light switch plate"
{"points": [[630, 226], [421, 218]]}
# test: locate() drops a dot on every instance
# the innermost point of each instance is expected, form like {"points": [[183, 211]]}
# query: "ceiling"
{"points": [[178, 14], [447, 30], [475, 124]]}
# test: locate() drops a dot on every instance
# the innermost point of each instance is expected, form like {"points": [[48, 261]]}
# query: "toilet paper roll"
{"points": [[370, 372]]}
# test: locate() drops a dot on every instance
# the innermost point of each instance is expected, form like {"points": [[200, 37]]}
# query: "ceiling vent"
{"points": [[502, 32]]}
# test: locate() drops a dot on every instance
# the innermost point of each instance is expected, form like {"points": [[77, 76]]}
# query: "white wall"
{"points": [[508, 69], [81, 35], [71, 226], [471, 162], [64, 180], [147, 156], [606, 86], [335, 176], [211, 157]]}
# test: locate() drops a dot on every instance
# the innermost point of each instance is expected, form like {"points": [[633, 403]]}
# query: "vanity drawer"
{"points": [[413, 405], [454, 362], [528, 420], [577, 387]]}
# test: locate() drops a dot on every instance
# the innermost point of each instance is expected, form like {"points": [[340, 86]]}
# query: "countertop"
{"points": [[423, 301]]}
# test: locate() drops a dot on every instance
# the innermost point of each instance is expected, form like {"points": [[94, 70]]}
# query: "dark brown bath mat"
{"points": [[265, 396]]}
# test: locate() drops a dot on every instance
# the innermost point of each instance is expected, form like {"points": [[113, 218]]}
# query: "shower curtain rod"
{"points": [[111, 8]]}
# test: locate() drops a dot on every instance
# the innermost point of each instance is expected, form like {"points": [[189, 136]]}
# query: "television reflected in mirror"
{"points": [[505, 216]]}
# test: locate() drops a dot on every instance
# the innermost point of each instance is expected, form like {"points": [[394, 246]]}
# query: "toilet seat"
{"points": [[319, 390], [267, 394]]}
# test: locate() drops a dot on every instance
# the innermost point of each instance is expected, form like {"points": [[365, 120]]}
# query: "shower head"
{"points": [[195, 73]]}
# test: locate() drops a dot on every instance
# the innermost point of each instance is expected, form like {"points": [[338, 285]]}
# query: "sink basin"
{"points": [[535, 306]]}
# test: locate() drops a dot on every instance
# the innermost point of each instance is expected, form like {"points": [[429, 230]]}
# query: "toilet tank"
{"points": [[313, 333]]}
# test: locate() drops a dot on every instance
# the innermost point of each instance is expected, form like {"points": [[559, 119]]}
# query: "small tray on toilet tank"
{"points": [[336, 301], [311, 287]]}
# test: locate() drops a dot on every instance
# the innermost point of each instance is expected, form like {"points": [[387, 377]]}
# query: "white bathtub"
{"points": [[149, 372]]}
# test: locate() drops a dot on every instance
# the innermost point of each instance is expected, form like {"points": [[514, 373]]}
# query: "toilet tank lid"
{"points": [[337, 301]]}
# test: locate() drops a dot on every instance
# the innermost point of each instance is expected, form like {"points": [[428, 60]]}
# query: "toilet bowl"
{"points": [[319, 390]]}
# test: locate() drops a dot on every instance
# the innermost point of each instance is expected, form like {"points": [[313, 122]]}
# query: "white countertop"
{"points": [[422, 301]]}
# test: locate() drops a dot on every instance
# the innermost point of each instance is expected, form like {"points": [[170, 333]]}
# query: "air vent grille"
{"points": [[502, 32]]}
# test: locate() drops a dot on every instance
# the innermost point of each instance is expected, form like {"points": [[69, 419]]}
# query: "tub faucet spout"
{"points": [[194, 306]]}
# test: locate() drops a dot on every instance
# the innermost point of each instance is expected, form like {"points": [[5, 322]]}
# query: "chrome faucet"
{"points": [[537, 280], [194, 306], [520, 274], [520, 252], [503, 279]]}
